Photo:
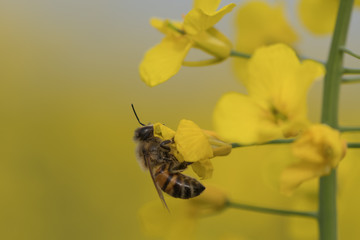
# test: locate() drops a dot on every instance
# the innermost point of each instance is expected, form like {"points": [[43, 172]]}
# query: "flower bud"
{"points": [[212, 200], [219, 147], [214, 43]]}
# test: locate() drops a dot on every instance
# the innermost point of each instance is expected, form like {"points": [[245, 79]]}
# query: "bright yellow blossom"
{"points": [[319, 15], [196, 31], [192, 144], [275, 107], [319, 149], [183, 219], [259, 24]]}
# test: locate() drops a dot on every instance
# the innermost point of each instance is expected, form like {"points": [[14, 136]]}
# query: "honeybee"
{"points": [[153, 154]]}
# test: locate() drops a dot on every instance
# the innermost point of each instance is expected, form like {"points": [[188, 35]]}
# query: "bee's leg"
{"points": [[165, 144], [175, 167]]}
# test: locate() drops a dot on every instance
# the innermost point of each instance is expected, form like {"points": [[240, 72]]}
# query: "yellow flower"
{"points": [[319, 16], [275, 107], [319, 149], [259, 24], [184, 216], [192, 144], [165, 59]]}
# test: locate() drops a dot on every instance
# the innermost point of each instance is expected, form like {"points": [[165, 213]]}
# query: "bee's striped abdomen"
{"points": [[176, 184]]}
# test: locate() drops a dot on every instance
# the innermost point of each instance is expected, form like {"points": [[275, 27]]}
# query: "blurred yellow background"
{"points": [[67, 165]]}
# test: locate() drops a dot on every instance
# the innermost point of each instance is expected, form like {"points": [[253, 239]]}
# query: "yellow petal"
{"points": [[260, 24], [164, 26], [311, 70], [277, 80], [163, 132], [320, 144], [305, 75], [318, 15], [294, 175], [319, 150], [211, 201], [203, 168], [208, 6], [296, 91], [237, 118], [191, 142], [218, 35], [197, 20], [164, 60], [269, 69], [276, 106], [219, 147], [213, 42]]}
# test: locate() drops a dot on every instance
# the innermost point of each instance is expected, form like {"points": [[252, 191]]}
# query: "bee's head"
{"points": [[144, 133]]}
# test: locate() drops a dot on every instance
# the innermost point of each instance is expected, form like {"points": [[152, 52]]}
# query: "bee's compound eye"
{"points": [[144, 133]]}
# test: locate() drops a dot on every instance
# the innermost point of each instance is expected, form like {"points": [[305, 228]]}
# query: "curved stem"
{"points": [[241, 206]]}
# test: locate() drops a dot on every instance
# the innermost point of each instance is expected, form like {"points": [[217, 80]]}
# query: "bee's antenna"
{"points": [[136, 115]]}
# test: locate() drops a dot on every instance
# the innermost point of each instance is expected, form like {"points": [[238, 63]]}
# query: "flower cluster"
{"points": [[196, 31], [274, 107]]}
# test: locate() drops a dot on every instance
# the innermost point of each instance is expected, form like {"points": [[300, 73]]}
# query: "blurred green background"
{"points": [[67, 165]]}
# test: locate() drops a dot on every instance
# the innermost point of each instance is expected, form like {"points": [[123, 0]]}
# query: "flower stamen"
{"points": [[279, 117]]}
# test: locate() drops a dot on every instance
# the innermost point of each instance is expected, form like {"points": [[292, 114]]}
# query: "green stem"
{"points": [[286, 141], [277, 141], [241, 206], [353, 145], [351, 53], [349, 129], [239, 54], [350, 80], [351, 70], [245, 55], [334, 70]]}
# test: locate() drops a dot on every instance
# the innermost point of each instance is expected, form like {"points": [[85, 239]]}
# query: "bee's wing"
{"points": [[153, 179]]}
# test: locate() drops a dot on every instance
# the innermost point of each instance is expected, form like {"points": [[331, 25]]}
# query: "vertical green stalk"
{"points": [[334, 69]]}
